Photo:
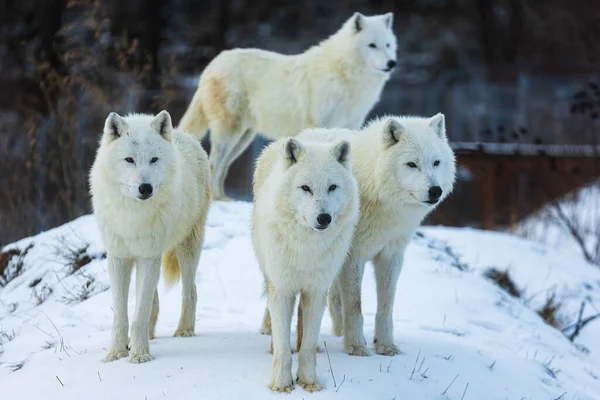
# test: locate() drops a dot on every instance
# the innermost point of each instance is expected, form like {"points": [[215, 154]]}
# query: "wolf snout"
{"points": [[435, 192], [145, 190], [323, 221], [391, 64]]}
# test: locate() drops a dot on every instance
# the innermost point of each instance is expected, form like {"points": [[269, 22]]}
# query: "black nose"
{"points": [[392, 64], [145, 189], [324, 220], [434, 193]]}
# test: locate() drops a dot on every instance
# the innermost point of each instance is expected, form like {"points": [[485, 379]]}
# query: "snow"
{"points": [[455, 328]]}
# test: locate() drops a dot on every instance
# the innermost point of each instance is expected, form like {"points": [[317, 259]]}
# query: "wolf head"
{"points": [[417, 163], [319, 188], [139, 151], [371, 41]]}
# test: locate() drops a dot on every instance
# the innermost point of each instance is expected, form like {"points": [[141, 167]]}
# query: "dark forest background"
{"points": [[503, 71]]}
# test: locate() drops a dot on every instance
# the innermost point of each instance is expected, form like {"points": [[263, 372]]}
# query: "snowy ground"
{"points": [[462, 337]]}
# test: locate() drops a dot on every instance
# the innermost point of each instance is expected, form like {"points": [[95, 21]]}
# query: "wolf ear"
{"points": [[438, 125], [358, 22], [388, 19], [341, 152], [292, 150], [163, 125], [392, 132], [115, 126]]}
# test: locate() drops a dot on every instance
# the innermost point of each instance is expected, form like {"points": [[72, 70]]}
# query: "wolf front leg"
{"points": [[313, 306], [281, 307], [350, 280], [119, 271], [147, 275], [388, 264]]}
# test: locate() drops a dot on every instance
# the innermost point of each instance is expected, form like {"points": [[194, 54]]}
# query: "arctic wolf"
{"points": [[333, 84], [305, 210], [404, 168], [150, 189]]}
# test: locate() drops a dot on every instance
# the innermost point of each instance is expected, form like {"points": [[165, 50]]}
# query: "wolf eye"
{"points": [[372, 45], [154, 159], [305, 188], [332, 188], [436, 163], [129, 160], [411, 164], [387, 45]]}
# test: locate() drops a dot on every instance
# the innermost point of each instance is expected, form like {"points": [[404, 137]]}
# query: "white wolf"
{"points": [[150, 189], [305, 210], [333, 84], [404, 168]]}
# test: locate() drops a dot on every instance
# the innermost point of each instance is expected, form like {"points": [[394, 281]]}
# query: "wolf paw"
{"points": [[140, 358], [318, 350], [357, 350], [184, 333], [282, 389], [389, 349], [265, 330], [311, 387], [115, 355]]}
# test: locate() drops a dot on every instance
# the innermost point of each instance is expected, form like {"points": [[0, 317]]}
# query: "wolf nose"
{"points": [[145, 189], [324, 220], [392, 64], [435, 192]]}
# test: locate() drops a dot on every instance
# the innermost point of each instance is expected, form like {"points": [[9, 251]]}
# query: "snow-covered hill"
{"points": [[462, 336]]}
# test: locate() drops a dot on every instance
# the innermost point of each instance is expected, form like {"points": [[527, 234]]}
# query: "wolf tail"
{"points": [[194, 120], [171, 269]]}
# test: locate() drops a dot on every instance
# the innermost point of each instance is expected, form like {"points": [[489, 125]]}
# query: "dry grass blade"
{"points": [[550, 311], [503, 280]]}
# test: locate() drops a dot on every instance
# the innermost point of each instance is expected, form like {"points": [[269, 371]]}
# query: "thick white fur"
{"points": [[333, 84], [393, 204], [169, 224], [295, 257]]}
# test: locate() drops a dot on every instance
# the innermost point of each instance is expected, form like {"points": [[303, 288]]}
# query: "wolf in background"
{"points": [[333, 84]]}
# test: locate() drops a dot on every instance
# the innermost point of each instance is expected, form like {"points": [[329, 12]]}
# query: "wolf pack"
{"points": [[331, 193]]}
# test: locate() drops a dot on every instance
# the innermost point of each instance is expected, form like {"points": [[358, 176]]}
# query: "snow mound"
{"points": [[461, 336]]}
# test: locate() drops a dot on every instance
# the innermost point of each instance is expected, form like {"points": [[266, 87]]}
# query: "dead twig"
{"points": [[415, 366], [330, 367], [580, 323], [445, 390], [574, 231], [343, 380], [465, 392]]}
